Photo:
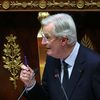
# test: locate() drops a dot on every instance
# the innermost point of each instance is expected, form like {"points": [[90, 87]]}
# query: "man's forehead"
{"points": [[48, 29]]}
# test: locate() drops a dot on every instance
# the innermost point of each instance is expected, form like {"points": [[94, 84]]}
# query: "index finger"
{"points": [[23, 67]]}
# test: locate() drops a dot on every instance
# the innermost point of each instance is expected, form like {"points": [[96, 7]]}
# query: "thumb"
{"points": [[30, 69]]}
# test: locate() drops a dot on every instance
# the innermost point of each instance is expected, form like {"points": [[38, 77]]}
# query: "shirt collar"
{"points": [[70, 60]]}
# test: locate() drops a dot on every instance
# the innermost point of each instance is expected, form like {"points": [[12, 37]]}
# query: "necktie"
{"points": [[65, 65], [65, 77]]}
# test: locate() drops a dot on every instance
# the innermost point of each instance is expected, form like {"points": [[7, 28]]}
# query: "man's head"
{"points": [[59, 34]]}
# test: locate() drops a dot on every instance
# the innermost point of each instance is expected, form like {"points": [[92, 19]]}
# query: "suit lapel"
{"points": [[77, 72]]}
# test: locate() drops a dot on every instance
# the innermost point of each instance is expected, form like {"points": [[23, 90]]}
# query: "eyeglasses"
{"points": [[47, 38], [44, 37]]}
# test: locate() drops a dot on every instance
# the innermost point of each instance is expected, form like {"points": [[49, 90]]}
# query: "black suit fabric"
{"points": [[84, 81]]}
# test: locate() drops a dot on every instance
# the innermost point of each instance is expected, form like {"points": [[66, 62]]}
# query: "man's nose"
{"points": [[44, 41]]}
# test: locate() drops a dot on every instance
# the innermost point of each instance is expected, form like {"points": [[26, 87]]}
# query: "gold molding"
{"points": [[44, 4]]}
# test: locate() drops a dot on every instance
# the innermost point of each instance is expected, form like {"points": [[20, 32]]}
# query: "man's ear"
{"points": [[64, 41]]}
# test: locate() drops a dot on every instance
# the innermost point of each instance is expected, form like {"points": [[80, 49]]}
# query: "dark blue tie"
{"points": [[65, 77], [65, 82]]}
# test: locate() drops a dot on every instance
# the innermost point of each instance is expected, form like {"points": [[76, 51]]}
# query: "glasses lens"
{"points": [[44, 37]]}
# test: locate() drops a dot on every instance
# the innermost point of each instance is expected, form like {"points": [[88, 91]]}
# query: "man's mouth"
{"points": [[47, 48]]}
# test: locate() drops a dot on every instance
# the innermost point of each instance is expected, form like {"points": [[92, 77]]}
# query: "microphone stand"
{"points": [[57, 76], [22, 93]]}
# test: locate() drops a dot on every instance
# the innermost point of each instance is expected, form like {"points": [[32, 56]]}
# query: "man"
{"points": [[83, 65]]}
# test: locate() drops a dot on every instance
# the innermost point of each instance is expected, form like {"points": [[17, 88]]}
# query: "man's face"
{"points": [[52, 43]]}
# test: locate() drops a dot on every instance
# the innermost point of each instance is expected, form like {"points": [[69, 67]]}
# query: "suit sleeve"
{"points": [[96, 82], [39, 91]]}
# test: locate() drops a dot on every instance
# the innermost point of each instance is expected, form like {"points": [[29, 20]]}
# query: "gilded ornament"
{"points": [[42, 4], [98, 4], [24, 4], [6, 4], [80, 4], [42, 15], [48, 3], [86, 41], [12, 58], [61, 4]]}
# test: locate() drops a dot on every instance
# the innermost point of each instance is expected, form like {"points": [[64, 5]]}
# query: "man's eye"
{"points": [[47, 37]]}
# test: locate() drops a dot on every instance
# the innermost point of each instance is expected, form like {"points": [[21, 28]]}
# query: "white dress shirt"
{"points": [[70, 60]]}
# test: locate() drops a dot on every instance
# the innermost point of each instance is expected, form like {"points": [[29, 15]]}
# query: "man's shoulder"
{"points": [[89, 53]]}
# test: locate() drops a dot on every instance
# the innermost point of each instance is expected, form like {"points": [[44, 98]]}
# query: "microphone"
{"points": [[36, 72], [57, 76]]}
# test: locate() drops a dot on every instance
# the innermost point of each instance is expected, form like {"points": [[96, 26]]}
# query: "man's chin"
{"points": [[52, 55], [49, 53]]}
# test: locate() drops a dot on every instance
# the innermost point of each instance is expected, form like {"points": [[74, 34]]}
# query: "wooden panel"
{"points": [[24, 26]]}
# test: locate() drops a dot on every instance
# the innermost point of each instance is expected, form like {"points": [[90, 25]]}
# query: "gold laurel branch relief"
{"points": [[12, 58], [86, 41]]}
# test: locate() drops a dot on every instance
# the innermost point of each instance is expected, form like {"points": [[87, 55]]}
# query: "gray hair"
{"points": [[63, 26]]}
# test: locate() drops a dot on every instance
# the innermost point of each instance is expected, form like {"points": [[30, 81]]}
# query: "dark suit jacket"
{"points": [[84, 80]]}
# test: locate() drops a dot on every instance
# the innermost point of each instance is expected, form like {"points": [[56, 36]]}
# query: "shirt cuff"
{"points": [[29, 88]]}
